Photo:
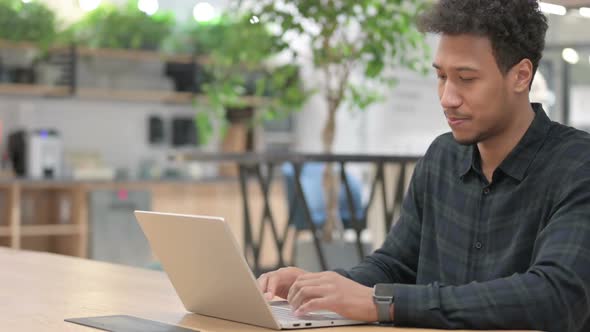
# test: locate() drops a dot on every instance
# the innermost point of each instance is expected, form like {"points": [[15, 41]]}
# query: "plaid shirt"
{"points": [[513, 253]]}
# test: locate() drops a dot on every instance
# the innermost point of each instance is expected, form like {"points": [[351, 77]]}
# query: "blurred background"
{"points": [[299, 123]]}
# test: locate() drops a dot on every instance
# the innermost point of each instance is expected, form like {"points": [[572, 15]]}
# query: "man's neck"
{"points": [[495, 149]]}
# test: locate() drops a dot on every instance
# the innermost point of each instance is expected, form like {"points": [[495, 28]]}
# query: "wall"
{"points": [[116, 130], [405, 123]]}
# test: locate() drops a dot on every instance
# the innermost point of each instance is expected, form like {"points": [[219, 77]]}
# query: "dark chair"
{"points": [[311, 182]]}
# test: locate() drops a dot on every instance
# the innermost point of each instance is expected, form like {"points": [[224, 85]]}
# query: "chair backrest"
{"points": [[311, 182]]}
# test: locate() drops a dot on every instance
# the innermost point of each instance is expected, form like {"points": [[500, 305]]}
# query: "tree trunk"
{"points": [[330, 181]]}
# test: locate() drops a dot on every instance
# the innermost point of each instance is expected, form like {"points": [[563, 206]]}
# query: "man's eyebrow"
{"points": [[460, 68]]}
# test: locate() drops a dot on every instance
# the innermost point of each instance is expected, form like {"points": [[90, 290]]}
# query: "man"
{"points": [[495, 229]]}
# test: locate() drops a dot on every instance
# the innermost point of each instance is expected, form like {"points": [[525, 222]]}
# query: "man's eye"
{"points": [[441, 77], [467, 79]]}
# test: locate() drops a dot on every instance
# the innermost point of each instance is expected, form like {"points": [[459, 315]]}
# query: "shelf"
{"points": [[149, 96], [42, 230], [34, 90], [5, 231], [138, 55], [136, 95], [17, 45], [51, 229]]}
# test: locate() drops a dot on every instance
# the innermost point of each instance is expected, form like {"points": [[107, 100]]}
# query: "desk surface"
{"points": [[39, 290]]}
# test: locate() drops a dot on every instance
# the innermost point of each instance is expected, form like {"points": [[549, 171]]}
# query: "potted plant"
{"points": [[243, 88], [32, 23], [344, 38], [126, 27], [122, 28]]}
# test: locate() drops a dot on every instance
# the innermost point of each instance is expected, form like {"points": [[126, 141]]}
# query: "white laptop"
{"points": [[211, 277]]}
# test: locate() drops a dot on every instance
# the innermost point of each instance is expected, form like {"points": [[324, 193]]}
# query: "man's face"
{"points": [[473, 92]]}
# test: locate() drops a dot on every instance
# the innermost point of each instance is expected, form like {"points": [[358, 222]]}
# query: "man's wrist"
{"points": [[383, 297], [373, 317]]}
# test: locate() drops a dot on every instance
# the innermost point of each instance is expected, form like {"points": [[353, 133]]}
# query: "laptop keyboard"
{"points": [[285, 314]]}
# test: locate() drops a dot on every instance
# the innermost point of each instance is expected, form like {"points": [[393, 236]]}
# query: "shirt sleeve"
{"points": [[552, 295], [396, 261]]}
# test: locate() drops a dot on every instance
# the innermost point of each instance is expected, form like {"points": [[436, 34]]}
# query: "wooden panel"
{"points": [[40, 230], [137, 55], [15, 216], [67, 245], [34, 90], [4, 242]]}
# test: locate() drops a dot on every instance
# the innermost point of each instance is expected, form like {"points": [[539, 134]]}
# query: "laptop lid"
{"points": [[206, 268]]}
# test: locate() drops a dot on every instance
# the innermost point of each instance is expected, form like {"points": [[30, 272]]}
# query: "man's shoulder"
{"points": [[568, 145], [444, 155]]}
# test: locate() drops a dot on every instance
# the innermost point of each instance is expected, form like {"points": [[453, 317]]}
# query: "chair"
{"points": [[311, 182]]}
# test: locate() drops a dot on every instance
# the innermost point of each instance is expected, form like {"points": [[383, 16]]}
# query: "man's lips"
{"points": [[455, 121]]}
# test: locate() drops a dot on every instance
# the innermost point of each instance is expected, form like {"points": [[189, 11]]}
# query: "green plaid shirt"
{"points": [[511, 254]]}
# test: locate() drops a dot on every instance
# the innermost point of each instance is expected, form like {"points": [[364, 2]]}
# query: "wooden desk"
{"points": [[39, 290]]}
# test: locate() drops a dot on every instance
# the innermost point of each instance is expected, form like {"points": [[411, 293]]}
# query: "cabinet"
{"points": [[44, 216], [114, 234], [75, 217]]}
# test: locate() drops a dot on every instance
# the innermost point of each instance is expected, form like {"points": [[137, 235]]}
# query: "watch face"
{"points": [[384, 290]]}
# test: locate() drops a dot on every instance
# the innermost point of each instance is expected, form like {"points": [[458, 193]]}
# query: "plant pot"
{"points": [[235, 141], [239, 115], [238, 138]]}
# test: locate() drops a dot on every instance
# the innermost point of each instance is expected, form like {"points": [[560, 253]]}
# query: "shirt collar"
{"points": [[520, 158]]}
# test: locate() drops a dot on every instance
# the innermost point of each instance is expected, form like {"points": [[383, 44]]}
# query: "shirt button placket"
{"points": [[478, 245]]}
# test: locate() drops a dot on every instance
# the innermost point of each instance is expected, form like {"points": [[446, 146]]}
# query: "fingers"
{"points": [[308, 293], [300, 283], [321, 303], [263, 285], [271, 287]]}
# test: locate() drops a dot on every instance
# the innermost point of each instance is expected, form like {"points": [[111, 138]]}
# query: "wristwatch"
{"points": [[383, 298]]}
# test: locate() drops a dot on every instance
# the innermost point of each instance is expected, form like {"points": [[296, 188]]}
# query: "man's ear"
{"points": [[521, 76]]}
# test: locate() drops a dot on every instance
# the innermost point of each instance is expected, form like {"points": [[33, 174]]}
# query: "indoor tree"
{"points": [[366, 38]]}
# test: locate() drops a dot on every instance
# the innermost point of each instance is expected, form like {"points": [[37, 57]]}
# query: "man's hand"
{"points": [[333, 292], [277, 283]]}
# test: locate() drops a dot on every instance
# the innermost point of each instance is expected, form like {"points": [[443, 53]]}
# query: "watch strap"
{"points": [[383, 297], [383, 311]]}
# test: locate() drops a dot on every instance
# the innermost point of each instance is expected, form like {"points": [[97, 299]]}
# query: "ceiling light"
{"points": [[585, 11], [203, 12], [570, 55], [549, 8], [89, 5], [149, 7]]}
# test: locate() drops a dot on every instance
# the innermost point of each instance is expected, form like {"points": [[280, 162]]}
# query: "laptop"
{"points": [[211, 276]]}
